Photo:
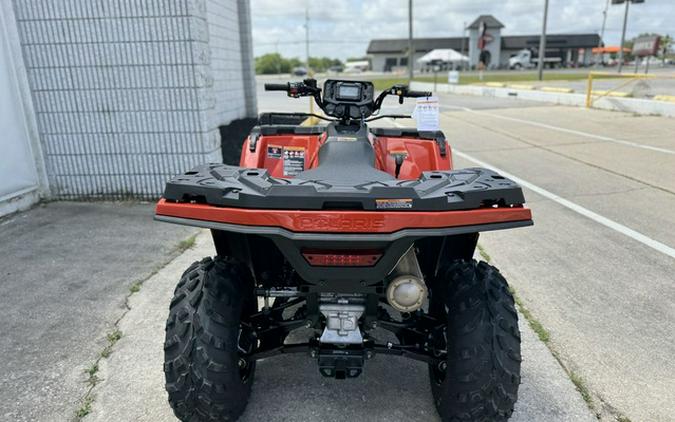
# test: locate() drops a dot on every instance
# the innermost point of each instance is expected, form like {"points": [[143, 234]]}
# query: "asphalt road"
{"points": [[66, 271], [597, 269]]}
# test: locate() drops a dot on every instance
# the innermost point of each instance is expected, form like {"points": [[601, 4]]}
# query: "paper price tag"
{"points": [[426, 114]]}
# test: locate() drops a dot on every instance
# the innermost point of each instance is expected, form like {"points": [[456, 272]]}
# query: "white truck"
{"points": [[525, 59]]}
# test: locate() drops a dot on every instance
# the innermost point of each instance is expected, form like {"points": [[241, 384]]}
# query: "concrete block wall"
{"points": [[128, 93]]}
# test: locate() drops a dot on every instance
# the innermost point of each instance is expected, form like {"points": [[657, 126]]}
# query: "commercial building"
{"points": [[108, 99], [573, 49]]}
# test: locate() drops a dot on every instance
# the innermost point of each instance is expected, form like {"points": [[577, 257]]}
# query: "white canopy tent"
{"points": [[442, 55]]}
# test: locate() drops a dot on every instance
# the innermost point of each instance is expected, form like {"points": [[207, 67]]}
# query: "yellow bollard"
{"points": [[589, 90]]}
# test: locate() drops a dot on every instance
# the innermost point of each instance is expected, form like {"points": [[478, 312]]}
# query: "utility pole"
{"points": [[542, 44], [307, 37], [276, 50], [411, 52], [623, 36], [463, 42], [310, 74]]}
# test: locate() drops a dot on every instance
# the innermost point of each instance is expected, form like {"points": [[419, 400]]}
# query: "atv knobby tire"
{"points": [[482, 372], [206, 376]]}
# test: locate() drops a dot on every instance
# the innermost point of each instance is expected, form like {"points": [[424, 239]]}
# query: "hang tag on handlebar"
{"points": [[427, 114]]}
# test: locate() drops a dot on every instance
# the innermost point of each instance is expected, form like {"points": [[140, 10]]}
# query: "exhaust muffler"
{"points": [[407, 291]]}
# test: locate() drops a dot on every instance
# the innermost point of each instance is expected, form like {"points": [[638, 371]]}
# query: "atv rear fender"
{"points": [[416, 151]]}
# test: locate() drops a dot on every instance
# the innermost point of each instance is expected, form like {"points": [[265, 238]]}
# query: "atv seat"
{"points": [[347, 157]]}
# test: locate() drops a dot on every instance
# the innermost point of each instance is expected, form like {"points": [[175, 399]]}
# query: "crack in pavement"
{"points": [[89, 397]]}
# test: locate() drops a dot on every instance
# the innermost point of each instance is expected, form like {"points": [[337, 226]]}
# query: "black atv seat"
{"points": [[346, 158]]}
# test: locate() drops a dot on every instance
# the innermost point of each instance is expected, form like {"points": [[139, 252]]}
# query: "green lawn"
{"points": [[492, 77]]}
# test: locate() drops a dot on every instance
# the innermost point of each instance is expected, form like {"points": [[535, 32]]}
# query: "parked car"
{"points": [[300, 71]]}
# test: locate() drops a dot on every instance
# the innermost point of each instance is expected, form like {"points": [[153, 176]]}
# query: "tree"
{"points": [[321, 64], [271, 63], [666, 43], [274, 63]]}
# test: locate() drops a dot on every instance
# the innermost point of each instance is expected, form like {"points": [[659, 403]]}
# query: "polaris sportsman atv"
{"points": [[347, 232]]}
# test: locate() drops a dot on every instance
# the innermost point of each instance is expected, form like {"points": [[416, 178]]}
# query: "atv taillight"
{"points": [[341, 258]]}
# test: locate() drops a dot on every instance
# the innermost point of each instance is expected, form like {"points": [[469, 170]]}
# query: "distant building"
{"points": [[573, 49]]}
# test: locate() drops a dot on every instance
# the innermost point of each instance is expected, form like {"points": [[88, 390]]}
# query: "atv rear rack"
{"points": [[237, 187]]}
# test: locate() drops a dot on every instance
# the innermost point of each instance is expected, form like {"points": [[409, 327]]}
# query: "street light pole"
{"points": [[599, 58], [604, 23], [411, 52], [542, 44], [623, 36], [310, 74]]}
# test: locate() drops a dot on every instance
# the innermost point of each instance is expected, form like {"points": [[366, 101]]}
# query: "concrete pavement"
{"points": [[291, 388], [66, 271], [606, 298]]}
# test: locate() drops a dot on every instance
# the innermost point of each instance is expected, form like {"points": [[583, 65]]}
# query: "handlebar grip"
{"points": [[416, 94], [276, 87]]}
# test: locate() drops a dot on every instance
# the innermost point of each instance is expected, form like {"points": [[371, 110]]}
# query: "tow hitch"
{"points": [[341, 362]]}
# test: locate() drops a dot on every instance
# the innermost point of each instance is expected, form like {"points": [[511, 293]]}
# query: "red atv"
{"points": [[344, 231]]}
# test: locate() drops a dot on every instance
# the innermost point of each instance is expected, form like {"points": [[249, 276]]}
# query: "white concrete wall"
{"points": [[130, 93], [22, 174]]}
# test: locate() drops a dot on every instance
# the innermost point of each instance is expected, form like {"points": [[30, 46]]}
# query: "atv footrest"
{"points": [[341, 363]]}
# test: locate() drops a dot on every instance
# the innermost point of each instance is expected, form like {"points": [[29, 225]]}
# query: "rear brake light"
{"points": [[339, 258]]}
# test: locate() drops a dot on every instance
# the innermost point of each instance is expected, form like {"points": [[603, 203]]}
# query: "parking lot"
{"points": [[597, 268], [596, 271]]}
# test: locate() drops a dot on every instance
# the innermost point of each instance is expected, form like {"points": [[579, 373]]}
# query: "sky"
{"points": [[343, 28]]}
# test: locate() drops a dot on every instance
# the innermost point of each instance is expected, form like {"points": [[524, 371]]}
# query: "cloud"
{"points": [[343, 28]]}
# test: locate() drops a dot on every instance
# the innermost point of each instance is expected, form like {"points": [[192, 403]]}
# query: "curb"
{"points": [[669, 98], [556, 89], [629, 105]]}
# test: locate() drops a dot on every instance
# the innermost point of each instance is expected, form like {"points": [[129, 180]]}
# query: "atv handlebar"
{"points": [[298, 89], [309, 88], [276, 87], [401, 91], [418, 94]]}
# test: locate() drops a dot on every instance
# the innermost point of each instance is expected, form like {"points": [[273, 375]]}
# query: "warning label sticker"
{"points": [[294, 160], [274, 151], [393, 204]]}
